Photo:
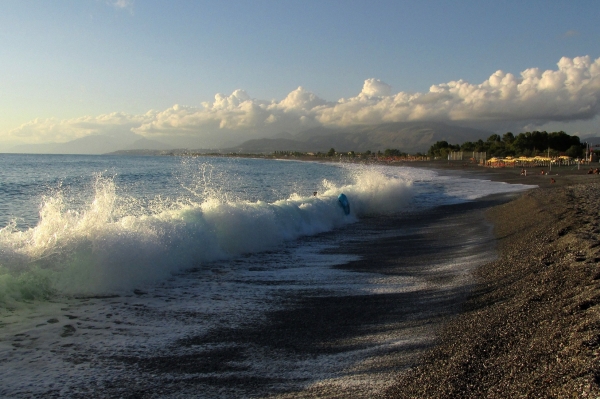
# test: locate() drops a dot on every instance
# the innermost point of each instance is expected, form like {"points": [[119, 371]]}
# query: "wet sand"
{"points": [[526, 325], [506, 306], [350, 345]]}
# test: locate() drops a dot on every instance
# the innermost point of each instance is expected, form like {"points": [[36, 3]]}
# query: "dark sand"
{"points": [[531, 326], [522, 321], [380, 333], [527, 326]]}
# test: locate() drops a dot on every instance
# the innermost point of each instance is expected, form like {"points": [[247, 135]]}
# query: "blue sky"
{"points": [[67, 65]]}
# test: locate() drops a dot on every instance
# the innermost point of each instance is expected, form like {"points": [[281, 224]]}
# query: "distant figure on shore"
{"points": [[591, 171], [552, 180], [543, 173], [314, 193], [523, 172], [597, 171]]}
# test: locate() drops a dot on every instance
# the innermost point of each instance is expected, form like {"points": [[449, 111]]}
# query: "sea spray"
{"points": [[117, 243], [375, 192]]}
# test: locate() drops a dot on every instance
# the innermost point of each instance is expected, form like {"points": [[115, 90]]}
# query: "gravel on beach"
{"points": [[531, 327]]}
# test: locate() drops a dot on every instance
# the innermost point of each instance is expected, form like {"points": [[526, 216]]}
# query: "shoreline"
{"points": [[563, 175], [558, 176], [531, 327], [457, 301]]}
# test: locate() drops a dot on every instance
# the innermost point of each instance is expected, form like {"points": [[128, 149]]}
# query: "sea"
{"points": [[108, 263]]}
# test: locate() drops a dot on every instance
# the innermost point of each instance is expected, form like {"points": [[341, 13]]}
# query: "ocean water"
{"points": [[107, 257]]}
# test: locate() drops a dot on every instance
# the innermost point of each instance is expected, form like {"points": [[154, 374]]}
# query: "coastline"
{"points": [[495, 297], [531, 327], [528, 324], [562, 175], [521, 322], [349, 344]]}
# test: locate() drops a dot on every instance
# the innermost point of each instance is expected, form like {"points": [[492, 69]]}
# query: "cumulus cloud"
{"points": [[238, 115], [62, 130], [376, 88], [570, 92], [300, 100]]}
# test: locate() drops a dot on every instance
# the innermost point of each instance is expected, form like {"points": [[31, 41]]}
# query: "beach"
{"points": [[531, 326], [491, 297], [520, 320], [527, 325], [295, 200]]}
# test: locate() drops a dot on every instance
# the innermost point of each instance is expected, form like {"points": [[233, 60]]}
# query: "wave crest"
{"points": [[112, 245]]}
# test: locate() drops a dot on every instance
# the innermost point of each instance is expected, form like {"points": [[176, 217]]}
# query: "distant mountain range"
{"points": [[94, 144], [410, 137]]}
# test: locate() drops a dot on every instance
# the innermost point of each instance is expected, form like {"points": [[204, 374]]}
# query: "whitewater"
{"points": [[109, 259]]}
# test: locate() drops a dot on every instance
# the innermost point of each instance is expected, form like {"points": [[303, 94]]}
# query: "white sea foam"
{"points": [[109, 245]]}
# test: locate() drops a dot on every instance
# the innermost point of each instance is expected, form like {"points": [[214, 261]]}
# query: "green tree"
{"points": [[493, 138], [480, 146], [575, 151], [539, 141], [523, 143], [392, 152], [508, 138], [467, 146], [331, 152], [442, 149], [560, 141]]}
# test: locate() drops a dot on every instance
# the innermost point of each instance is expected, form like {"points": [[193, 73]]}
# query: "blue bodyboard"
{"points": [[343, 200]]}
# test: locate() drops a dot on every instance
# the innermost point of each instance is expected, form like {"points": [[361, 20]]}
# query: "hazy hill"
{"points": [[94, 144], [267, 146], [409, 137], [146, 144]]}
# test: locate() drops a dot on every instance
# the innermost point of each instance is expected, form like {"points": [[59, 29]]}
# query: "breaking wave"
{"points": [[114, 243]]}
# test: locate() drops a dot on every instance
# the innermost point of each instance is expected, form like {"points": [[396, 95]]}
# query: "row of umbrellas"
{"points": [[536, 159]]}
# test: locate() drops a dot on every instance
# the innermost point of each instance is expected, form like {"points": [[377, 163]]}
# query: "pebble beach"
{"points": [[531, 326]]}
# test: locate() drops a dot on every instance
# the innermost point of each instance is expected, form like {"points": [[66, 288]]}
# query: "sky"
{"points": [[207, 73]]}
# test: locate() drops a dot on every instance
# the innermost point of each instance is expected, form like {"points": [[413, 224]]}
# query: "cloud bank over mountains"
{"points": [[535, 97]]}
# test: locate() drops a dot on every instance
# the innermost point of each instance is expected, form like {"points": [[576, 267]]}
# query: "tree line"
{"points": [[524, 144]]}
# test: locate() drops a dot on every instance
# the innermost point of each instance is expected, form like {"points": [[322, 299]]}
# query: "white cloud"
{"points": [[56, 130], [569, 93], [376, 88], [234, 117], [300, 100], [122, 4], [572, 92]]}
